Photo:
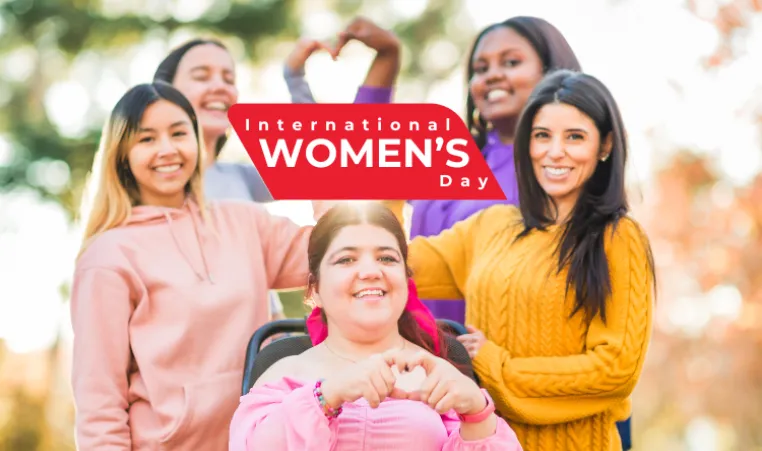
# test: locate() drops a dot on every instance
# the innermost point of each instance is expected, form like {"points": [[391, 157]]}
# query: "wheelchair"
{"points": [[259, 359]]}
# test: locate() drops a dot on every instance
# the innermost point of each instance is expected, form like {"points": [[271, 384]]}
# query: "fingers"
{"points": [[445, 404], [438, 393], [387, 377], [471, 329]]}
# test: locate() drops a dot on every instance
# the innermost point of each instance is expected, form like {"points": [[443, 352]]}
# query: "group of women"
{"points": [[179, 257]]}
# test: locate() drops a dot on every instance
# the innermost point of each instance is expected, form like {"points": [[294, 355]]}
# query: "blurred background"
{"points": [[686, 75]]}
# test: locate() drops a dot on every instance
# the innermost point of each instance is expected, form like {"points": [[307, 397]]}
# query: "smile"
{"points": [[168, 168], [556, 171], [216, 106], [369, 292], [495, 95]]}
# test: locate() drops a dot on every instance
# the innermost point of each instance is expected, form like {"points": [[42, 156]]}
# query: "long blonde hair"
{"points": [[114, 186]]}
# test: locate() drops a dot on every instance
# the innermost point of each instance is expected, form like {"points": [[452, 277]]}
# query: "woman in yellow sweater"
{"points": [[560, 291]]}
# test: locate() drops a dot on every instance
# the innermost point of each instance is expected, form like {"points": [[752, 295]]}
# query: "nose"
{"points": [[166, 147], [557, 149], [368, 269], [495, 73]]}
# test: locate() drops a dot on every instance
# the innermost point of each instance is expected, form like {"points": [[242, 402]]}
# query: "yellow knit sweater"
{"points": [[560, 384]]}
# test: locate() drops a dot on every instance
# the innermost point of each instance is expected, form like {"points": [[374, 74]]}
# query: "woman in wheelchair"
{"points": [[378, 376]]}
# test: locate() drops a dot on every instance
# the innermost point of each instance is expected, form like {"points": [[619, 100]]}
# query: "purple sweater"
{"points": [[430, 217]]}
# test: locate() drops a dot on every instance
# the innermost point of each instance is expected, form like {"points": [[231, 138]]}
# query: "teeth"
{"points": [[557, 171], [219, 106], [170, 168], [369, 293], [497, 94]]}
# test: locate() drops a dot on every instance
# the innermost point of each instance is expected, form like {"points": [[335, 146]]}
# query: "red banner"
{"points": [[363, 152]]}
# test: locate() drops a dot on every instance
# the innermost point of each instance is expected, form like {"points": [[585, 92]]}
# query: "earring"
{"points": [[476, 117], [605, 158]]}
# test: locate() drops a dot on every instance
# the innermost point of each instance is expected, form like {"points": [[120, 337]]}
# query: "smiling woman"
{"points": [[158, 270]]}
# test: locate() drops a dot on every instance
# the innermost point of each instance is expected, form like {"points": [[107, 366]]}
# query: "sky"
{"points": [[668, 100]]}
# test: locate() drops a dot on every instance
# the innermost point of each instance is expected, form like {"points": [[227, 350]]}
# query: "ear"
{"points": [[316, 299], [607, 146]]}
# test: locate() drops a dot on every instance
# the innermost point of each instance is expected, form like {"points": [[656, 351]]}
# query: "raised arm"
{"points": [[546, 390], [383, 72], [101, 307], [293, 70]]}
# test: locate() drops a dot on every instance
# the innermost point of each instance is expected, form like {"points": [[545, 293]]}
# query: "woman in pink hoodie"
{"points": [[167, 290], [351, 391]]}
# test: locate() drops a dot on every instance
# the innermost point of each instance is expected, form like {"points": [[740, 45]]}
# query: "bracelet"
{"points": [[329, 411]]}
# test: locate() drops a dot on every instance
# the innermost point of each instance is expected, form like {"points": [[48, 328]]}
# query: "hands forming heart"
{"points": [[417, 376], [360, 29]]}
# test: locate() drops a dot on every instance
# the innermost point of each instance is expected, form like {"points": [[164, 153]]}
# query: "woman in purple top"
{"points": [[506, 61]]}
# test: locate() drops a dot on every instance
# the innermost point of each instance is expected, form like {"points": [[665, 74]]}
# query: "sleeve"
{"points": [[256, 186], [547, 390], [442, 263], [284, 246], [373, 94], [278, 416], [100, 313], [504, 439], [297, 86]]}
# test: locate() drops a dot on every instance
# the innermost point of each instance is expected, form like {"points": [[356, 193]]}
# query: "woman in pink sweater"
{"points": [[167, 290], [376, 377]]}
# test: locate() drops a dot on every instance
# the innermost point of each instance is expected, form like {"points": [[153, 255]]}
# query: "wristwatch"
{"points": [[480, 416]]}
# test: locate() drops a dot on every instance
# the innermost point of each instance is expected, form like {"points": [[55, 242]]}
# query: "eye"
{"points": [[480, 69], [145, 139], [389, 259], [180, 133], [576, 137], [511, 62], [541, 135], [344, 261]]}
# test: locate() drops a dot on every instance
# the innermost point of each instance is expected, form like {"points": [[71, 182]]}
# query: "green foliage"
{"points": [[58, 31]]}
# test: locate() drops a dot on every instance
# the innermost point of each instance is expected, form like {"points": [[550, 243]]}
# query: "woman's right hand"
{"points": [[370, 34], [302, 51], [371, 379]]}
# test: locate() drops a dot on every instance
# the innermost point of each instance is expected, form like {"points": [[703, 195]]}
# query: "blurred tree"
{"points": [[49, 35]]}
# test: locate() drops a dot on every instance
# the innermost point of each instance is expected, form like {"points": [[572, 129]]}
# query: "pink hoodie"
{"points": [[162, 310]]}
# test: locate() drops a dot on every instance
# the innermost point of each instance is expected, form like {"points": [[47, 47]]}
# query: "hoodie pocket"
{"points": [[204, 422]]}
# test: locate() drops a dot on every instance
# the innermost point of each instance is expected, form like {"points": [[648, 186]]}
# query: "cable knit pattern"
{"points": [[560, 383]]}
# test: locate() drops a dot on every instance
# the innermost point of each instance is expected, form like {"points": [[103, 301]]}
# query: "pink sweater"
{"points": [[285, 416], [162, 310]]}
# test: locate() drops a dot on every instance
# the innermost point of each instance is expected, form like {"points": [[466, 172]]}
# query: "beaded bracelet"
{"points": [[329, 411]]}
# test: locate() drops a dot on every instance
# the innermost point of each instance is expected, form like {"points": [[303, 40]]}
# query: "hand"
{"points": [[445, 388], [371, 379], [302, 51], [472, 341], [370, 34]]}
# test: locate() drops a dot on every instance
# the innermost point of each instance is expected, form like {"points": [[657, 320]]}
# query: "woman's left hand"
{"points": [[472, 341], [445, 387]]}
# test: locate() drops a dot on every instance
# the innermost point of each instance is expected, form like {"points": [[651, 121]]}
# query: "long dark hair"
{"points": [[167, 71], [343, 215], [603, 199], [551, 46]]}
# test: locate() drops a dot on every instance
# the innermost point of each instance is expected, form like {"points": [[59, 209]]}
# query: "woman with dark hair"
{"points": [[352, 390], [561, 289], [505, 63]]}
